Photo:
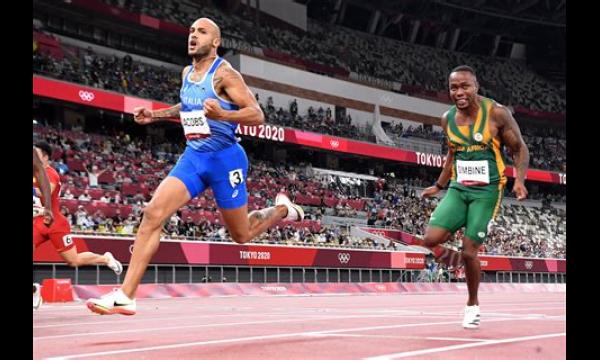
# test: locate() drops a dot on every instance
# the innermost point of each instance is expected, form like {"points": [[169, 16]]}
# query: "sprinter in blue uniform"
{"points": [[214, 100]]}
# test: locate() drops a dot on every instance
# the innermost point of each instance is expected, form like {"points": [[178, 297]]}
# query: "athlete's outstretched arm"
{"points": [[42, 179], [167, 113], [173, 111], [249, 113], [446, 173], [511, 136], [143, 116]]}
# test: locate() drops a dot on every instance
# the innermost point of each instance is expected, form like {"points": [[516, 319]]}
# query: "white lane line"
{"points": [[350, 314], [129, 322], [255, 338], [462, 346], [163, 328], [303, 317], [147, 303], [417, 307], [399, 337]]}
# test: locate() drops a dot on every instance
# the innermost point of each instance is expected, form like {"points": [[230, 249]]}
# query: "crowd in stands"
{"points": [[107, 180], [547, 147], [420, 131], [123, 74], [315, 120], [540, 232], [518, 230], [509, 81]]}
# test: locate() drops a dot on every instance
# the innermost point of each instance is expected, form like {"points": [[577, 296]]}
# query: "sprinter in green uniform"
{"points": [[475, 128]]}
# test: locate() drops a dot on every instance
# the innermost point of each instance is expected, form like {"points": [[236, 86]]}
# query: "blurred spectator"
{"points": [[85, 196], [294, 108], [93, 175], [68, 195], [390, 202]]}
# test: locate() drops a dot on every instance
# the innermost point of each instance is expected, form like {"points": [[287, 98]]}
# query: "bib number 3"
{"points": [[236, 177]]}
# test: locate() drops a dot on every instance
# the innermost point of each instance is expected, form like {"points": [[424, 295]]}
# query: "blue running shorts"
{"points": [[224, 171]]}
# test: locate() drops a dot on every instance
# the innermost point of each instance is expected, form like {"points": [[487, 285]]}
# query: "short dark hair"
{"points": [[44, 147], [466, 68]]}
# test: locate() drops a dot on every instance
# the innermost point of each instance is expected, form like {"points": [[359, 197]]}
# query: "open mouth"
{"points": [[462, 102], [192, 43]]}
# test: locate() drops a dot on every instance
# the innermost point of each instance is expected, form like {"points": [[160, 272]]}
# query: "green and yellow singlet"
{"points": [[478, 160]]}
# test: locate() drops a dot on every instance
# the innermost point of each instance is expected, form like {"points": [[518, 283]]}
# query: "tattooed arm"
{"points": [[236, 89], [167, 113], [143, 116], [510, 134]]}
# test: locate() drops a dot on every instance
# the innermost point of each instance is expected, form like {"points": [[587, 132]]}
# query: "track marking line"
{"points": [[305, 318], [462, 346], [399, 337], [256, 338], [130, 321]]}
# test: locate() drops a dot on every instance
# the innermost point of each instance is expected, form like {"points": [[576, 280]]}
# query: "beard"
{"points": [[202, 51]]}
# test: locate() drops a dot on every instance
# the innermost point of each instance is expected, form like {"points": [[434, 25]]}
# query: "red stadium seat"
{"points": [[110, 210], [302, 199], [75, 165], [315, 200], [330, 201], [70, 204], [357, 204], [76, 191], [88, 206], [129, 189], [125, 210], [96, 194], [57, 154], [106, 178]]}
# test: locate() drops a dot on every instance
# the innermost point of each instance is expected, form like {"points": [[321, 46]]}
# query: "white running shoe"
{"points": [[114, 264], [115, 302], [471, 319], [295, 212], [37, 296]]}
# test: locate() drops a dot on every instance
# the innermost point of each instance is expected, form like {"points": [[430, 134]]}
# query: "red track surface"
{"points": [[513, 325]]}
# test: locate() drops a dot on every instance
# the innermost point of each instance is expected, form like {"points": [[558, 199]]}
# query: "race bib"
{"points": [[67, 240], [471, 173], [194, 124], [236, 177], [38, 208]]}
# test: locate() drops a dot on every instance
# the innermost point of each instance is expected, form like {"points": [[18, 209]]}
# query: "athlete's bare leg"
{"points": [[472, 269], [170, 195], [433, 239], [73, 258], [244, 227], [435, 236]]}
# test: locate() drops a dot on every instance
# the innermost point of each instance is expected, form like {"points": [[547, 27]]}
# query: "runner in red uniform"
{"points": [[59, 231], [40, 176]]}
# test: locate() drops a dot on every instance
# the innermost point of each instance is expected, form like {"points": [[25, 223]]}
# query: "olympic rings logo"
{"points": [[344, 258], [86, 95], [529, 265], [334, 143]]}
